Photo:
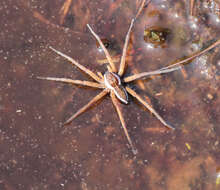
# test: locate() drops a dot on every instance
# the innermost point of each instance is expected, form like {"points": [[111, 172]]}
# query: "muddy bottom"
{"points": [[92, 153]]}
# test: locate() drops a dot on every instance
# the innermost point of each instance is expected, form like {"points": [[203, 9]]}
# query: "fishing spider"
{"points": [[114, 83]]}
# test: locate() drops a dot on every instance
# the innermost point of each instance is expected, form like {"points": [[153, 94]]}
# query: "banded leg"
{"points": [[115, 103], [75, 63], [77, 82], [88, 105], [135, 95], [113, 68], [122, 63]]}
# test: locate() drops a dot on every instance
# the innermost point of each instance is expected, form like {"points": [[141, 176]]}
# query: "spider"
{"points": [[114, 83]]}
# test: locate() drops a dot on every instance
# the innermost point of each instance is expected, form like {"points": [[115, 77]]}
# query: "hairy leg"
{"points": [[75, 63], [77, 82], [170, 68], [115, 103], [193, 56], [142, 6], [88, 105], [122, 63], [149, 74], [113, 68], [135, 95]]}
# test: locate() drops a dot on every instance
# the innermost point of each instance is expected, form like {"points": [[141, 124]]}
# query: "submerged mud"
{"points": [[38, 152]]}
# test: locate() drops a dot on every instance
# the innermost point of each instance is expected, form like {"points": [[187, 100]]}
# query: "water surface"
{"points": [[37, 152]]}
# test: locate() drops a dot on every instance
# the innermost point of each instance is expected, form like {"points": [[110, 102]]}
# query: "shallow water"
{"points": [[37, 152]]}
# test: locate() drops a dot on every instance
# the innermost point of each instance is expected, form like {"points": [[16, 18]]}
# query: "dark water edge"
{"points": [[92, 153]]}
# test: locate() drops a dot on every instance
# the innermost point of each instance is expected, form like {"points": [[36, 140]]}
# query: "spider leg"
{"points": [[142, 6], [109, 68], [75, 63], [134, 94], [115, 103], [77, 82], [113, 68], [193, 56], [101, 76], [88, 105], [170, 68], [151, 73], [191, 7], [122, 64]]}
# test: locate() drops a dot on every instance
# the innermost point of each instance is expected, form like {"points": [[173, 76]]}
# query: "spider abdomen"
{"points": [[113, 82]]}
